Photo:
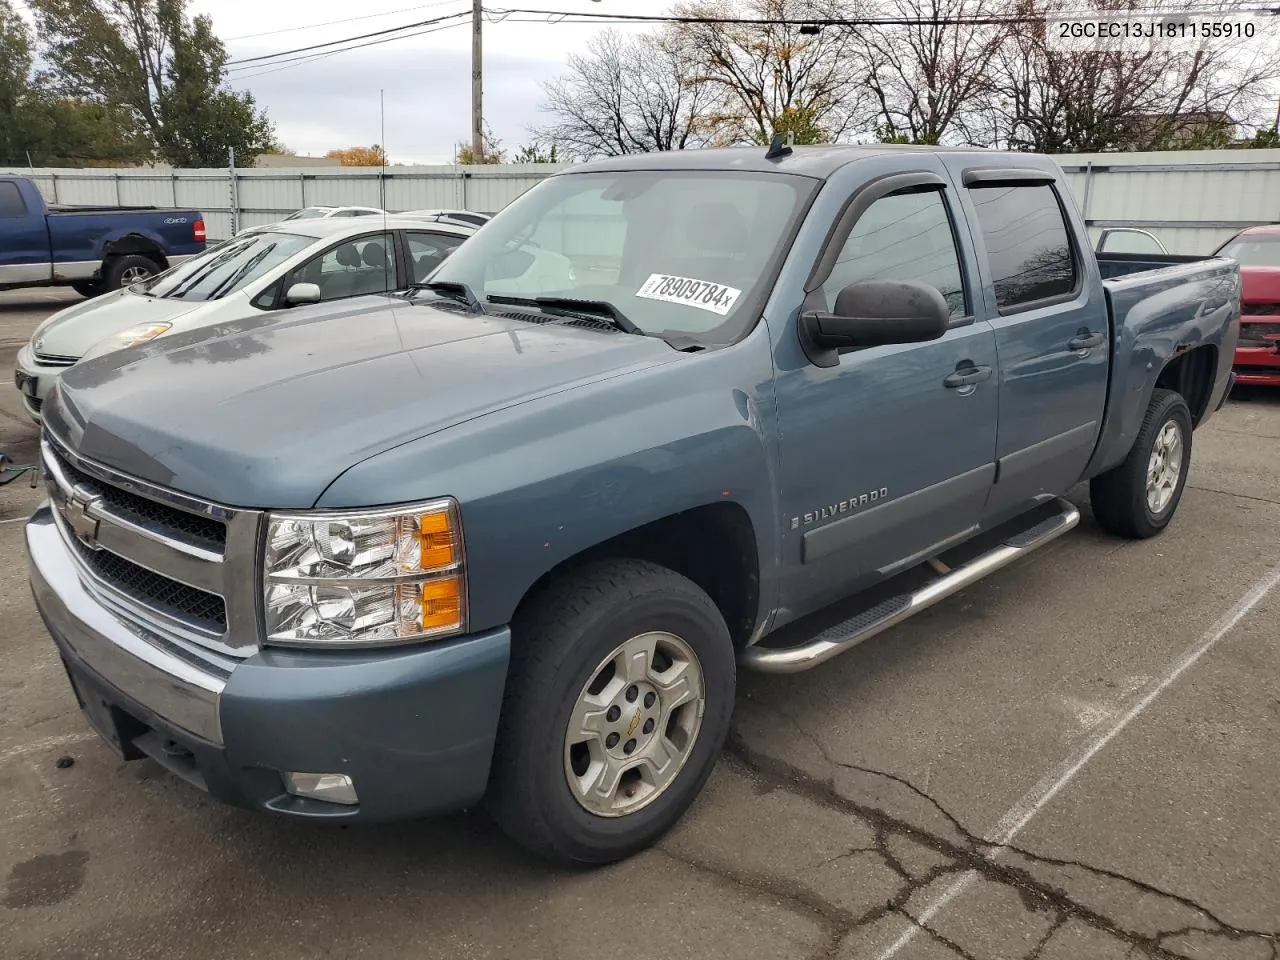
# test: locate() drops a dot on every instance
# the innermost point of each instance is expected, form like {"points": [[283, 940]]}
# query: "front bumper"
{"points": [[1257, 366], [25, 372], [414, 729]]}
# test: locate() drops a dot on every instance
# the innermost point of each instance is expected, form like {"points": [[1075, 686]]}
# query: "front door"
{"points": [[1051, 331], [890, 454]]}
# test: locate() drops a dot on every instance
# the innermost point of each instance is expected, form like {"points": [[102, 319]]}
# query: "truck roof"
{"points": [[1261, 230], [819, 161]]}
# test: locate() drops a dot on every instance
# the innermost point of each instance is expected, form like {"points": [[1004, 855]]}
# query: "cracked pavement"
{"points": [[855, 813]]}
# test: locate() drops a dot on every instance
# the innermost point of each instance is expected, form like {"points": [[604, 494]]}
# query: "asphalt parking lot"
{"points": [[1076, 759]]}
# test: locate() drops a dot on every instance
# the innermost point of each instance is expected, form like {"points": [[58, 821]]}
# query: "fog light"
{"points": [[330, 787]]}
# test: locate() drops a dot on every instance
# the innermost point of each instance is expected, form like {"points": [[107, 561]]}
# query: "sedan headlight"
{"points": [[368, 578], [139, 334]]}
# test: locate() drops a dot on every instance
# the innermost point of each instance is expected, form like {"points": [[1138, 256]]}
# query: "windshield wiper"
{"points": [[602, 309], [452, 290]]}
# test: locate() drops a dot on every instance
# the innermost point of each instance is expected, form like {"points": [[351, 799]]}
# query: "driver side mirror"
{"points": [[302, 293], [870, 313]]}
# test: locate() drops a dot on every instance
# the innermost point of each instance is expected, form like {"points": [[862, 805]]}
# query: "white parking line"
{"points": [[15, 520], [1019, 815]]}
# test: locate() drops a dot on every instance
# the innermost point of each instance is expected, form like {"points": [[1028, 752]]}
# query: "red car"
{"points": [[1257, 358]]}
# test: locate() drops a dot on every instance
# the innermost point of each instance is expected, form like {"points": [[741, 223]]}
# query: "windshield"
{"points": [[1254, 251], [225, 268], [674, 251]]}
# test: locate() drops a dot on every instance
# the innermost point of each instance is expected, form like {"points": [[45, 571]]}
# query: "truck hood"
{"points": [[268, 412], [1260, 284], [73, 332]]}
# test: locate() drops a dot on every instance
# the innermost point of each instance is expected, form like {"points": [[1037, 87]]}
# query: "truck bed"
{"points": [[1161, 306], [61, 210], [1113, 265]]}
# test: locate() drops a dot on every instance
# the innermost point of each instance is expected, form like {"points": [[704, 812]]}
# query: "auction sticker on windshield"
{"points": [[691, 293]]}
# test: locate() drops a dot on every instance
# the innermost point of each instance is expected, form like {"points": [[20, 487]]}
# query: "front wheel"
{"points": [[618, 702], [1138, 498]]}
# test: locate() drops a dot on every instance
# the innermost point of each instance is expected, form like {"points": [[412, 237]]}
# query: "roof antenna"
{"points": [[777, 148]]}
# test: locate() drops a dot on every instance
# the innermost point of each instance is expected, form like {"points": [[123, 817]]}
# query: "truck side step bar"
{"points": [[862, 626]]}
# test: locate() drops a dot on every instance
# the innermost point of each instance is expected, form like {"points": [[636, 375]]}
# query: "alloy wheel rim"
{"points": [[1164, 468], [131, 275], [634, 724]]}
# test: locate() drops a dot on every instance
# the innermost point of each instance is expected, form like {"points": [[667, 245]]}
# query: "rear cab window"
{"points": [[1029, 249], [12, 206]]}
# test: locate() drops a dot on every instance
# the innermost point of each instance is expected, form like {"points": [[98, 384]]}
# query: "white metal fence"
{"points": [[1192, 200]]}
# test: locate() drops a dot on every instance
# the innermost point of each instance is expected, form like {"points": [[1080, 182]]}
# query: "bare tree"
{"points": [[930, 72], [1059, 101], [777, 76], [626, 95]]}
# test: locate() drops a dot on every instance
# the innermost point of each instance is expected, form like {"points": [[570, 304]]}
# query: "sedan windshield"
{"points": [[675, 252], [225, 268], [1253, 251]]}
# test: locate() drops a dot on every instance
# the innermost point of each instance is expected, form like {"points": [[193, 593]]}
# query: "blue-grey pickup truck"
{"points": [[93, 249], [510, 534]]}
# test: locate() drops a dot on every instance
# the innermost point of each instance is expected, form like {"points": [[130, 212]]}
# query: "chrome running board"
{"points": [[862, 626]]}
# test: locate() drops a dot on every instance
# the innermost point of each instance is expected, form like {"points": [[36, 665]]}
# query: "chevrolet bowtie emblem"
{"points": [[79, 518]]}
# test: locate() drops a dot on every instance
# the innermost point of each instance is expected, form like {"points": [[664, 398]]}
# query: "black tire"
{"points": [[559, 643], [89, 288], [117, 269], [1119, 496]]}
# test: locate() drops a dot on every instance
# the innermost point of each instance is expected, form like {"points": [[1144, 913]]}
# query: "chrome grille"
{"points": [[178, 600], [179, 524], [1260, 309], [55, 360], [1256, 334], [176, 564]]}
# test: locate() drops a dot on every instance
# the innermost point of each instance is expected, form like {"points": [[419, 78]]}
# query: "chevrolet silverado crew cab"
{"points": [[92, 249], [509, 534]]}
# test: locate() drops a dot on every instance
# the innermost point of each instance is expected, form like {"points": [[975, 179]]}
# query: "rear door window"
{"points": [[1028, 246], [428, 250]]}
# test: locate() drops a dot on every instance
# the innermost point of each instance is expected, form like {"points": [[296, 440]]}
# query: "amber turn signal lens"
{"points": [[436, 540], [441, 603]]}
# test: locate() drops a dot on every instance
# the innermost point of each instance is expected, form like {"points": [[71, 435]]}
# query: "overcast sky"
{"points": [[333, 102]]}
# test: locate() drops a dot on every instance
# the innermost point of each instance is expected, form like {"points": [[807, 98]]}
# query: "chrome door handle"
{"points": [[1084, 341], [967, 376]]}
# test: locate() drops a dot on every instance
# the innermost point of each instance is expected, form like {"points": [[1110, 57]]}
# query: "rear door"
{"points": [[1051, 328], [24, 239]]}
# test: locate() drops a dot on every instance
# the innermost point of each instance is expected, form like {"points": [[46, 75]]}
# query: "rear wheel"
{"points": [[618, 702], [127, 270], [1138, 498]]}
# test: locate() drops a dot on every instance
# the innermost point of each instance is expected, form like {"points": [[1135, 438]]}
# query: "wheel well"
{"points": [[714, 546], [135, 244], [1191, 374]]}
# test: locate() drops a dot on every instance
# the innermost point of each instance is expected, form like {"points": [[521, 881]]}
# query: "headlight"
{"points": [[139, 334], [370, 578]]}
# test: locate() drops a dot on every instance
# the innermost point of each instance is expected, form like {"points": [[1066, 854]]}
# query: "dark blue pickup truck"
{"points": [[511, 535], [93, 249]]}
